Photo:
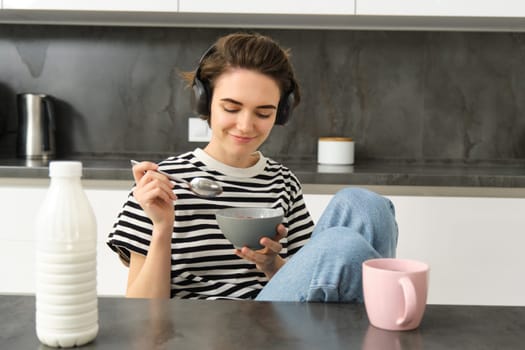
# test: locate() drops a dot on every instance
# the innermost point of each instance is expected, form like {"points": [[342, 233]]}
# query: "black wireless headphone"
{"points": [[202, 94]]}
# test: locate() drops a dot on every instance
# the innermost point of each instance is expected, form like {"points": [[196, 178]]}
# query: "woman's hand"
{"points": [[154, 192], [150, 276], [267, 259]]}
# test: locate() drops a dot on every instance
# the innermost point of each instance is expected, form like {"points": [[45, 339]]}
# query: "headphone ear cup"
{"points": [[284, 110], [201, 99]]}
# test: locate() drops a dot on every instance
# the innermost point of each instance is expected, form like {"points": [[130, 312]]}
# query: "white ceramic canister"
{"points": [[66, 277], [335, 150]]}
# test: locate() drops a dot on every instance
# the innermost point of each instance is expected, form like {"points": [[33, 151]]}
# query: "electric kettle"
{"points": [[36, 126]]}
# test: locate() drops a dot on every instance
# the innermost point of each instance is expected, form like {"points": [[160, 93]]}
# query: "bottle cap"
{"points": [[65, 169]]}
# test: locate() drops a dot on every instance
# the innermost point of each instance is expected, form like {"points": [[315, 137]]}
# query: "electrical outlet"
{"points": [[198, 130]]}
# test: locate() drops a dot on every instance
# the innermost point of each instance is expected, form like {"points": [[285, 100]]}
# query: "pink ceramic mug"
{"points": [[395, 292]]}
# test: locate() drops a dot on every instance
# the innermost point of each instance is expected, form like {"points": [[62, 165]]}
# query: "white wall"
{"points": [[475, 246]]}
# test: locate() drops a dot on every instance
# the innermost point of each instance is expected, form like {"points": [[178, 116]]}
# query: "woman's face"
{"points": [[243, 111]]}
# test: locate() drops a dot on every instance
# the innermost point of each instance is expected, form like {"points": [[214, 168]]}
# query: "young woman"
{"points": [[168, 236]]}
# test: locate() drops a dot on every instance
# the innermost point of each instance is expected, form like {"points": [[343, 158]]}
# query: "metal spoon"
{"points": [[201, 186]]}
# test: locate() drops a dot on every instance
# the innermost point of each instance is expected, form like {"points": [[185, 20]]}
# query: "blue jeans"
{"points": [[356, 225]]}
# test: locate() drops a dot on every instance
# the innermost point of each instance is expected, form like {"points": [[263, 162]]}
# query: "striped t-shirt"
{"points": [[203, 263]]}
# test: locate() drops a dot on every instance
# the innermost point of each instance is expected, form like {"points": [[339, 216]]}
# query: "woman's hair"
{"points": [[250, 51]]}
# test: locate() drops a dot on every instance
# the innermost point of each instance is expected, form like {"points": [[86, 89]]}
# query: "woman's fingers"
{"points": [[154, 191], [282, 232], [271, 248], [140, 169], [151, 185], [273, 244]]}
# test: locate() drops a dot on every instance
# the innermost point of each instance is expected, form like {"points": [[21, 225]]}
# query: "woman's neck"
{"points": [[236, 161]]}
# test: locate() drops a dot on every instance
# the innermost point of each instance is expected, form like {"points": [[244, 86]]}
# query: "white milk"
{"points": [[66, 283]]}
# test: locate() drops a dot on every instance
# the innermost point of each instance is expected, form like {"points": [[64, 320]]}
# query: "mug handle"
{"points": [[409, 293]]}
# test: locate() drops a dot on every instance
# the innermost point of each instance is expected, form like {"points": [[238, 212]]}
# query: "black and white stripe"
{"points": [[203, 263]]}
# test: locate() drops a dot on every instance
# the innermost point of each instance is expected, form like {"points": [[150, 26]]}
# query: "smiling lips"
{"points": [[242, 139]]}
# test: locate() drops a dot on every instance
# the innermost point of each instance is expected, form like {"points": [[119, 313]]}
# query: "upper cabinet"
{"points": [[92, 5], [327, 7], [478, 15], [448, 8]]}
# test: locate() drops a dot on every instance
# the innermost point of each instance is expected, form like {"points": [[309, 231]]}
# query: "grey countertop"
{"points": [[186, 324], [386, 173]]}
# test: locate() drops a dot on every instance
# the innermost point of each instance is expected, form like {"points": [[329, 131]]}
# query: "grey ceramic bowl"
{"points": [[246, 226]]}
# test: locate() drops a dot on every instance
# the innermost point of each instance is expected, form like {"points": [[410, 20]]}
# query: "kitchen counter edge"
{"points": [[493, 180]]}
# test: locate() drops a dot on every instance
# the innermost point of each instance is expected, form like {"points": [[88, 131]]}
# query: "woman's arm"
{"points": [[149, 276]]}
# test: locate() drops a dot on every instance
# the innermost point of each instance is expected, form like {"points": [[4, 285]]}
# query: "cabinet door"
{"points": [[19, 206], [93, 5], [465, 8], [474, 245], [340, 7]]}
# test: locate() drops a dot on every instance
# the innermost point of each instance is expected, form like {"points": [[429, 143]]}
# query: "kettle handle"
{"points": [[48, 124]]}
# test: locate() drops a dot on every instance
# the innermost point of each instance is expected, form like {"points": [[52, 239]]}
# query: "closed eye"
{"points": [[258, 114], [232, 106], [263, 115], [231, 110]]}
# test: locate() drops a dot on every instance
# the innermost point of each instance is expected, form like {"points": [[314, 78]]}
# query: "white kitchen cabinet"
{"points": [[93, 5], [474, 245], [504, 15], [449, 8], [313, 7], [19, 206]]}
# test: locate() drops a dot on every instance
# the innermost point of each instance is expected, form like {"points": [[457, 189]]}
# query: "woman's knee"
{"points": [[355, 244], [342, 241], [364, 197], [366, 213]]}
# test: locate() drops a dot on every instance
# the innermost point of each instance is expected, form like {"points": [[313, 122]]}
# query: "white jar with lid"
{"points": [[335, 151], [66, 283]]}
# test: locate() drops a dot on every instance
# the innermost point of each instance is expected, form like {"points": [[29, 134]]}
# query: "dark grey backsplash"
{"points": [[407, 96]]}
